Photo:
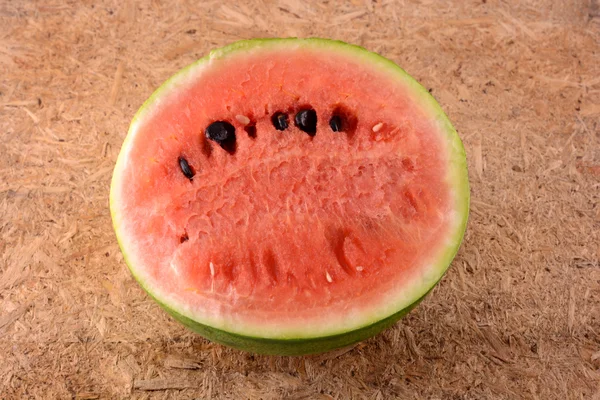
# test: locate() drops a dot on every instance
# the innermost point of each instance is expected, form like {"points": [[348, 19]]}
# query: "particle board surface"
{"points": [[518, 313]]}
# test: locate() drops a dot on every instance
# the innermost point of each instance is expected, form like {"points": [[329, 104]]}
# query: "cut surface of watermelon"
{"points": [[294, 235]]}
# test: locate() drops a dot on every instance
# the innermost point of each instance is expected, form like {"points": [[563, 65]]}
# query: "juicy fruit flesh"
{"points": [[288, 224]]}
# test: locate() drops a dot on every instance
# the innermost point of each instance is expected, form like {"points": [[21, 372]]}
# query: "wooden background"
{"points": [[517, 315]]}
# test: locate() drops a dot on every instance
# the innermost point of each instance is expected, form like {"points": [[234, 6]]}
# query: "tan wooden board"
{"points": [[517, 315]]}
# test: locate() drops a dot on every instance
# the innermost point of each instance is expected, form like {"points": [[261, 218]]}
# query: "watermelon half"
{"points": [[290, 196]]}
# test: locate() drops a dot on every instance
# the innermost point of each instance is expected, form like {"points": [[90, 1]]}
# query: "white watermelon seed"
{"points": [[377, 127], [359, 268], [212, 269], [242, 119], [174, 268], [329, 279]]}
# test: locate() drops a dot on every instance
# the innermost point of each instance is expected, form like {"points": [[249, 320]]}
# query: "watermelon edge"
{"points": [[289, 347], [457, 175]]}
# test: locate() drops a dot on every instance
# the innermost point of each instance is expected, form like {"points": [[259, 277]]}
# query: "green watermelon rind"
{"points": [[297, 343], [288, 347]]}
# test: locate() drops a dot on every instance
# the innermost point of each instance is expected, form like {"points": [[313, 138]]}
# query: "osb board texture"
{"points": [[517, 315]]}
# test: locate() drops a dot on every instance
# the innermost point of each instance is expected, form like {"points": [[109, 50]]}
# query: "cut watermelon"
{"points": [[290, 196]]}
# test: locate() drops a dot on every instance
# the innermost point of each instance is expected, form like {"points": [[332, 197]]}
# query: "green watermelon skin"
{"points": [[289, 347]]}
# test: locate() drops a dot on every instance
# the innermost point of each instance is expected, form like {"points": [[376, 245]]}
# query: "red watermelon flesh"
{"points": [[290, 235]]}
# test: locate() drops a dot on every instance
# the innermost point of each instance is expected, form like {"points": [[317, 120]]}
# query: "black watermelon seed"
{"points": [[280, 121], [306, 120], [335, 123], [185, 168], [221, 132]]}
